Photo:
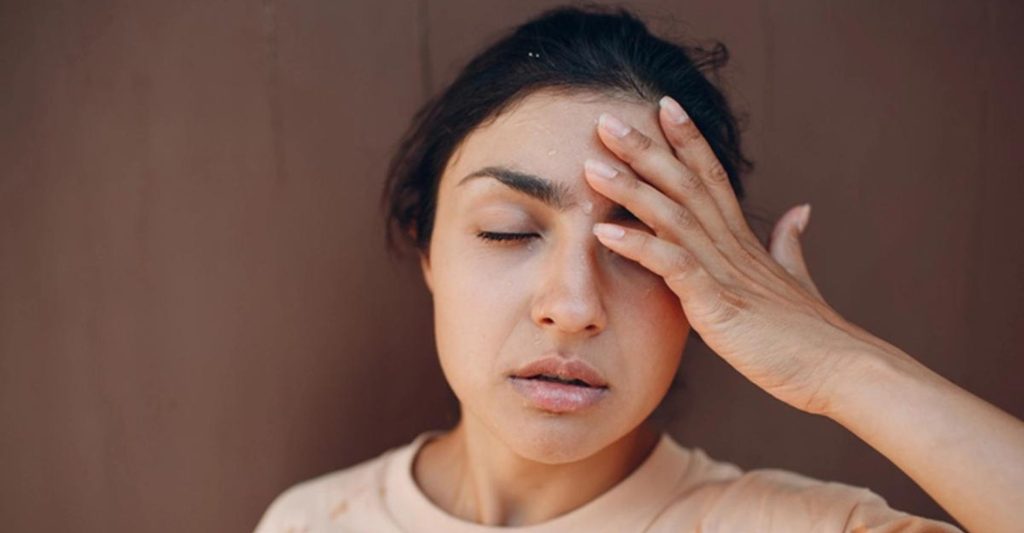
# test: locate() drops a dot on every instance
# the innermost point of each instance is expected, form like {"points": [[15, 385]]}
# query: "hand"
{"points": [[758, 310]]}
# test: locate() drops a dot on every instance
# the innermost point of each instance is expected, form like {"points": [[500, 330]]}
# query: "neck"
{"points": [[472, 475]]}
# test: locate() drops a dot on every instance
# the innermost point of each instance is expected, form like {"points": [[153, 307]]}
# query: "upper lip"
{"points": [[567, 369]]}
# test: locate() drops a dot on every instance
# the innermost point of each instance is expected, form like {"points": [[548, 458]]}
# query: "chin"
{"points": [[556, 439]]}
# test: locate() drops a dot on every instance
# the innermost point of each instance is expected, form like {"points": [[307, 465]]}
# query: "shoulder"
{"points": [[787, 497], [722, 497], [329, 497]]}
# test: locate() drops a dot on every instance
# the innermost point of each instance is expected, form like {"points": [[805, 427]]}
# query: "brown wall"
{"points": [[196, 308]]}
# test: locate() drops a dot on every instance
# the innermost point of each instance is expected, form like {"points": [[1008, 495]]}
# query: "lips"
{"points": [[574, 372], [552, 397]]}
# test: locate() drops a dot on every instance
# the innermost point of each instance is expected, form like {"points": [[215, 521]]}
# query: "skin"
{"points": [[498, 306], [626, 304]]}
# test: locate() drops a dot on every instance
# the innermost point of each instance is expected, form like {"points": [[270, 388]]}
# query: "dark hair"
{"points": [[606, 50]]}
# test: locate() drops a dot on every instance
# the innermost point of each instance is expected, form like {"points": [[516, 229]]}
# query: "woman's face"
{"points": [[500, 305]]}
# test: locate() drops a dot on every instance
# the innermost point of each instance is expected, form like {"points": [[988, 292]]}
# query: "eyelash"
{"points": [[508, 239], [504, 237]]}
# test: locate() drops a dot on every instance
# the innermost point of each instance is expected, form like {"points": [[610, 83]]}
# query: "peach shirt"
{"points": [[675, 489]]}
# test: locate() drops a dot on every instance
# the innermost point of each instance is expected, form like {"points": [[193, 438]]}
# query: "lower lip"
{"points": [[557, 397]]}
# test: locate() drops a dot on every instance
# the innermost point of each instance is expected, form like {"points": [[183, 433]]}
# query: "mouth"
{"points": [[557, 396], [559, 385], [557, 369]]}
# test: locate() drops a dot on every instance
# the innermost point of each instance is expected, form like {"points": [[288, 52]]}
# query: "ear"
{"points": [[425, 267]]}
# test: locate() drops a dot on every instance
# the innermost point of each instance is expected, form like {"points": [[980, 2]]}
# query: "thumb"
{"points": [[786, 249]]}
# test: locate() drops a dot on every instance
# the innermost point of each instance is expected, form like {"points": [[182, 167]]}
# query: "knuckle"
{"points": [[690, 181], [683, 264], [683, 218], [717, 173], [640, 142], [644, 245]]}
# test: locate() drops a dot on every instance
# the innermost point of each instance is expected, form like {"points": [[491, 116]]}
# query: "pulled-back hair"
{"points": [[595, 49]]}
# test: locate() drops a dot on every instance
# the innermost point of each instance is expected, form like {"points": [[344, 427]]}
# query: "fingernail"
{"points": [[805, 217], [609, 231], [613, 125], [600, 169], [673, 109]]}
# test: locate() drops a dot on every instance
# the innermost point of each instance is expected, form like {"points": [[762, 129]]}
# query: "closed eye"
{"points": [[506, 239], [502, 237]]}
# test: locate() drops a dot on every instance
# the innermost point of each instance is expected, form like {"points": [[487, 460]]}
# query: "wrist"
{"points": [[874, 381]]}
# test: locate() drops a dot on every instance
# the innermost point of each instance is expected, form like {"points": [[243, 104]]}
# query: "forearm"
{"points": [[964, 452]]}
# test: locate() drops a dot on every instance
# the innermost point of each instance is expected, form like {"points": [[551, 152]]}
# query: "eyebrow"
{"points": [[555, 195]]}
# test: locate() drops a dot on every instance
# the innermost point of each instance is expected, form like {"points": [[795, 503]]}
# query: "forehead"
{"points": [[549, 134]]}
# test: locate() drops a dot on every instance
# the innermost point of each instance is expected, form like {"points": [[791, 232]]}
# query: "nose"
{"points": [[569, 296]]}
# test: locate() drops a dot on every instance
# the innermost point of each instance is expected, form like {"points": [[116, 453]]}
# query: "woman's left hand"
{"points": [[757, 309]]}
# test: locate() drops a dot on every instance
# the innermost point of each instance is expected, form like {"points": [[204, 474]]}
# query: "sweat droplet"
{"points": [[552, 152], [588, 207]]}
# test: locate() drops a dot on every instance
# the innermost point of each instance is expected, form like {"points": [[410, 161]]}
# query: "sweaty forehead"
{"points": [[550, 134]]}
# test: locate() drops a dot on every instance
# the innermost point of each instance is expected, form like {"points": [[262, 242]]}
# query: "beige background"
{"points": [[196, 308]]}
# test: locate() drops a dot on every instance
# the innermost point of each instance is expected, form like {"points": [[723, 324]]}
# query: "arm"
{"points": [[964, 452]]}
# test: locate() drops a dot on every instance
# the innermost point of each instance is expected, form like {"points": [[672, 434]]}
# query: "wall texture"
{"points": [[196, 307]]}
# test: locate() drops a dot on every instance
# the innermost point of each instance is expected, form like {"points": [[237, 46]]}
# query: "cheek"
{"points": [[657, 327], [474, 314], [476, 296], [653, 305]]}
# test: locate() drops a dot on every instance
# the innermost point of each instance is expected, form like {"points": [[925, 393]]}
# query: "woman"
{"points": [[574, 199]]}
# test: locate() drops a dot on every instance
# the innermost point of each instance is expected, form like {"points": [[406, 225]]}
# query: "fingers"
{"points": [[683, 272], [668, 219], [693, 150], [660, 167]]}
